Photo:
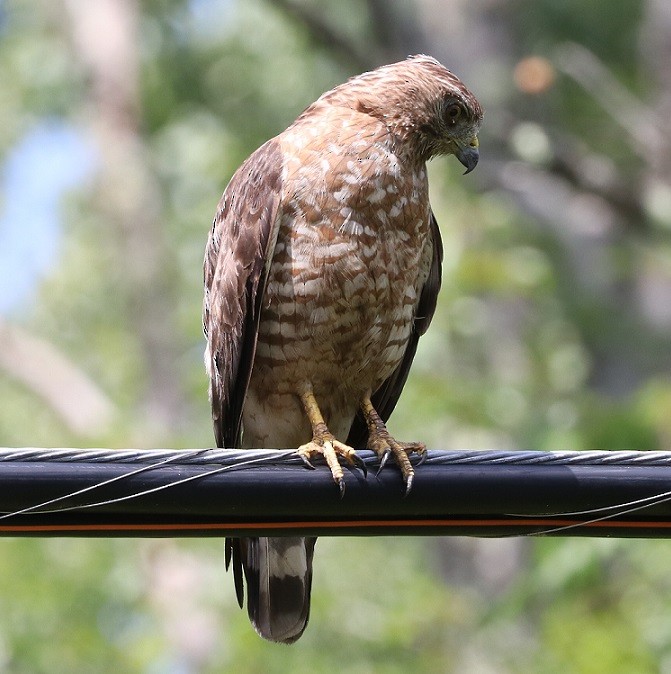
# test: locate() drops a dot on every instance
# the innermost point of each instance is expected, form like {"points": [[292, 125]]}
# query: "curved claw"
{"points": [[341, 487], [422, 457], [383, 460], [408, 484], [359, 463], [306, 461]]}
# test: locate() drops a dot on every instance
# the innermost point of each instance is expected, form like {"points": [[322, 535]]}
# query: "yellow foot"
{"points": [[384, 445], [324, 444]]}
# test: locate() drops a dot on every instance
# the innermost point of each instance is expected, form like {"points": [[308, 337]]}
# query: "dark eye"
{"points": [[453, 113]]}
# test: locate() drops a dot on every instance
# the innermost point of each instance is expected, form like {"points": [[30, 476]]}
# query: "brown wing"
{"points": [[385, 398], [237, 259]]}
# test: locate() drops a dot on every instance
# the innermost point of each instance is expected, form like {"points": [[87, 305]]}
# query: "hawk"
{"points": [[321, 272]]}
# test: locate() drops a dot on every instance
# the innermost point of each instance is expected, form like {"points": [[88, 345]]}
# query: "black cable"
{"points": [[199, 492]]}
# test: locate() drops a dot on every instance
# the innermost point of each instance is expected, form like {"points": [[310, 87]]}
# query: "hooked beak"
{"points": [[469, 154]]}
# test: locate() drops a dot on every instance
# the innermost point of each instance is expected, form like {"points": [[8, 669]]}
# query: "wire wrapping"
{"points": [[230, 457], [102, 492]]}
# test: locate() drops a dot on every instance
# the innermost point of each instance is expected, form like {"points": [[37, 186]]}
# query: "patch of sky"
{"points": [[50, 160]]}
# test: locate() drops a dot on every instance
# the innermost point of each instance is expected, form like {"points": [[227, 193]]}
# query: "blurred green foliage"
{"points": [[551, 333]]}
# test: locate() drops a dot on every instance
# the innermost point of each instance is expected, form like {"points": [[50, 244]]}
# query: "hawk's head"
{"points": [[428, 108], [448, 114]]}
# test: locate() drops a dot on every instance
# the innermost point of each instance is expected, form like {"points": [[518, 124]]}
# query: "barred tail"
{"points": [[278, 572]]}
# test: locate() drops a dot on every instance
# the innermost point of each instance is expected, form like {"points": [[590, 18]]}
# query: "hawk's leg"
{"points": [[323, 442], [384, 445]]}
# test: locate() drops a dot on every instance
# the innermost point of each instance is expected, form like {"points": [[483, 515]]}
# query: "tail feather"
{"points": [[234, 555], [278, 572]]}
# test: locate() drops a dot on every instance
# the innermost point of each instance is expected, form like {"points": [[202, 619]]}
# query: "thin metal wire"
{"points": [[616, 511], [561, 458], [228, 457], [41, 507], [144, 456]]}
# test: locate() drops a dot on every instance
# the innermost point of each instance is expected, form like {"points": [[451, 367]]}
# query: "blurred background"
{"points": [[120, 124]]}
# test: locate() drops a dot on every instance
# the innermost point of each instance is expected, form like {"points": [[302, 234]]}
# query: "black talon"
{"points": [[341, 486], [306, 462], [360, 464], [383, 461], [408, 485]]}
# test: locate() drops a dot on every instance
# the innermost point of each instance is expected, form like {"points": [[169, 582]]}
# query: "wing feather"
{"points": [[237, 259]]}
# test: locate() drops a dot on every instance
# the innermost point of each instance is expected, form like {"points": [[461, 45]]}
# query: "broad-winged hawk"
{"points": [[321, 272]]}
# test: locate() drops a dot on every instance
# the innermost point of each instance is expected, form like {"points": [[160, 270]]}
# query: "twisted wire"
{"points": [[234, 457]]}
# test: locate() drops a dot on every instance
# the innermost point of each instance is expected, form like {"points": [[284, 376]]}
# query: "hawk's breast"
{"points": [[352, 252]]}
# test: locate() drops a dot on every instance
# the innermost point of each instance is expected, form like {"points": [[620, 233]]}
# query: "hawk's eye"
{"points": [[453, 113]]}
